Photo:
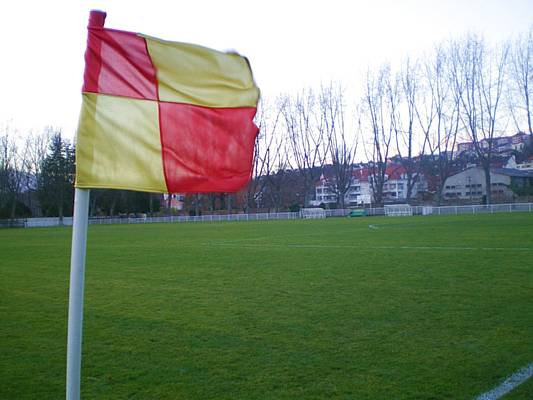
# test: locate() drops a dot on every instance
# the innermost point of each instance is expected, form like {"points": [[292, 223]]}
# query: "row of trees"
{"points": [[463, 90], [37, 179], [35, 173]]}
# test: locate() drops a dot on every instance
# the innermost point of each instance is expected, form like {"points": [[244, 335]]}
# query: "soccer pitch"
{"points": [[368, 308]]}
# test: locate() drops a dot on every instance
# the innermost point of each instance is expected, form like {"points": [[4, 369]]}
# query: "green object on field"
{"points": [[357, 213]]}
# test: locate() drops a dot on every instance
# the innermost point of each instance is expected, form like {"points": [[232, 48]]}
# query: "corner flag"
{"points": [[156, 116], [162, 116]]}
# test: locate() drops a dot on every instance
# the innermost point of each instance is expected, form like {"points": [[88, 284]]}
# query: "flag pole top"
{"points": [[97, 19]]}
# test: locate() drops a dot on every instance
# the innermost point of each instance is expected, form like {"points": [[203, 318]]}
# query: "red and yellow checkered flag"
{"points": [[162, 116]]}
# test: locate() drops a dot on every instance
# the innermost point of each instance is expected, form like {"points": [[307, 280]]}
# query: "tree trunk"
{"points": [[528, 114], [228, 196], [93, 205], [440, 189], [488, 190], [112, 208], [196, 204], [410, 185], [60, 206], [13, 207]]}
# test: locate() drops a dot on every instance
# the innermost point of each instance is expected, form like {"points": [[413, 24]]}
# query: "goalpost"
{"points": [[312, 213], [398, 210]]}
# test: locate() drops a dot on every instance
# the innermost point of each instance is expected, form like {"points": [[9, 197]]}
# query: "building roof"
{"points": [[361, 174], [518, 173], [395, 171]]}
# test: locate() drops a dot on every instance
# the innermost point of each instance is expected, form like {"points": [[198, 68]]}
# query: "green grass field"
{"points": [[408, 308]]}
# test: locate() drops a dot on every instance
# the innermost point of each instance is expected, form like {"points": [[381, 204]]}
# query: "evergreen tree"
{"points": [[56, 182]]}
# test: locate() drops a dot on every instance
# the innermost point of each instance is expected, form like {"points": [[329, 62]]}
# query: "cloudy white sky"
{"points": [[290, 44]]}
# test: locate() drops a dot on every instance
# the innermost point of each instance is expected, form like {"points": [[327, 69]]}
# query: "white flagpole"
{"points": [[75, 302]]}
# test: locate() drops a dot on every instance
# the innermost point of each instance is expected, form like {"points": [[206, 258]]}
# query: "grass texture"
{"points": [[369, 308]]}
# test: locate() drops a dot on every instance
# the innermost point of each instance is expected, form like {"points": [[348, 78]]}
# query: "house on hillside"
{"points": [[396, 184], [526, 165], [470, 185], [173, 201], [360, 189], [504, 162], [324, 192], [500, 145]]}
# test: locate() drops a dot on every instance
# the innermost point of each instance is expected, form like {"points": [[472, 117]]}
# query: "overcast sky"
{"points": [[290, 44]]}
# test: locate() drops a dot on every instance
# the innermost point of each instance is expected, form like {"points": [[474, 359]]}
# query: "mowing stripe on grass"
{"points": [[240, 244], [509, 384], [455, 248]]}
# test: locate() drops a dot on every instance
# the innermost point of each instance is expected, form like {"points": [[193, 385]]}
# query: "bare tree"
{"points": [[341, 148], [438, 114], [265, 151], [249, 192], [36, 146], [479, 78], [5, 170], [409, 146], [276, 160], [521, 77], [12, 162], [378, 111], [307, 140]]}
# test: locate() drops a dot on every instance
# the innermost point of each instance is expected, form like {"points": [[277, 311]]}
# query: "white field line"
{"points": [[509, 384], [337, 246]]}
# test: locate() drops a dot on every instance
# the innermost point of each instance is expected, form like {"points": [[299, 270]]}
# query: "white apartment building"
{"points": [[357, 193], [360, 189]]}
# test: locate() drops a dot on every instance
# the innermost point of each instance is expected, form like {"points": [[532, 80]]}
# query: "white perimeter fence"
{"points": [[417, 210]]}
